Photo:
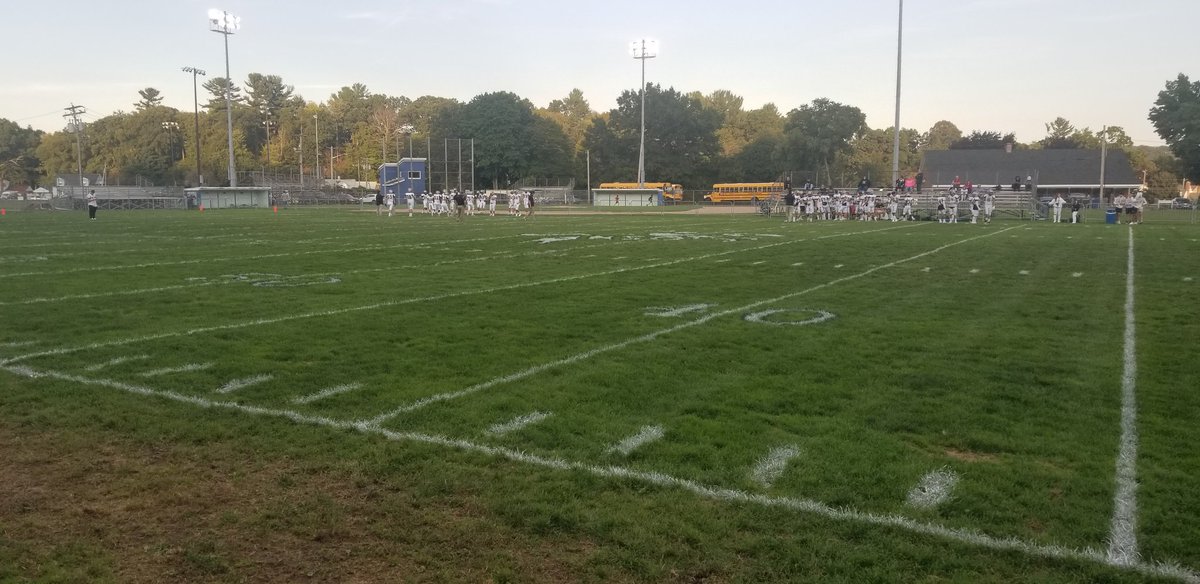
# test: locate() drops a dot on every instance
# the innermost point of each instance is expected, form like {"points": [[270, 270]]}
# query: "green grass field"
{"points": [[328, 395]]}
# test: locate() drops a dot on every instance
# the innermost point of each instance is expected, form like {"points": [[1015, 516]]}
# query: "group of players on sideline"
{"points": [[458, 204], [898, 205]]}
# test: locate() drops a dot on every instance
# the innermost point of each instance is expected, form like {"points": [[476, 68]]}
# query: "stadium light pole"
{"points": [[641, 50], [408, 129], [196, 104], [222, 22], [317, 146], [896, 129]]}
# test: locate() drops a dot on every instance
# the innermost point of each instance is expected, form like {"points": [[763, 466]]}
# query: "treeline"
{"points": [[691, 138]]}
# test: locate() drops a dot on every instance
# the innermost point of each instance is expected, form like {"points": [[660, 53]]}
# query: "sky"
{"points": [[1001, 65]]}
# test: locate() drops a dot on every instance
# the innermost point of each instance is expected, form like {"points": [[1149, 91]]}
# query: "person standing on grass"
{"points": [[989, 206], [529, 203], [411, 199], [1118, 203], [974, 210], [1139, 203], [1057, 204], [92, 204], [379, 203], [789, 201], [460, 206], [1131, 210], [389, 201]]}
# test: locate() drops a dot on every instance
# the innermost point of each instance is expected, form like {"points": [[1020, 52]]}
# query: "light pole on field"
{"points": [[896, 129], [196, 104], [222, 22], [641, 50]]}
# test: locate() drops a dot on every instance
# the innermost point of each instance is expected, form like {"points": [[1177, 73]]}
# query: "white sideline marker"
{"points": [[324, 393], [839, 266], [180, 369], [16, 344], [797, 264], [721, 261], [1122, 538], [517, 423], [934, 489], [974, 270], [759, 263], [1187, 278], [771, 467], [673, 311], [115, 361], [644, 436], [1077, 274], [237, 384], [1024, 272], [926, 269], [707, 491]]}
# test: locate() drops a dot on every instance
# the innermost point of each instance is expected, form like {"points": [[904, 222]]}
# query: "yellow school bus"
{"points": [[670, 191], [736, 192]]}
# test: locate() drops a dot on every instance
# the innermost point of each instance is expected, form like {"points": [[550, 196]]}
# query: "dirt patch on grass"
{"points": [[968, 456], [106, 509]]}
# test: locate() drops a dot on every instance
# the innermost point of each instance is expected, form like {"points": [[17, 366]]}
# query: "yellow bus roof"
{"points": [[765, 185]]}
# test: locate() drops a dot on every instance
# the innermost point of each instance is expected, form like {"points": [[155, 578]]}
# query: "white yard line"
{"points": [[578, 357], [517, 423], [108, 294], [180, 369], [237, 384], [644, 436], [245, 258], [390, 303], [115, 361], [771, 467], [17, 344], [933, 490], [712, 492], [1122, 538], [324, 393]]}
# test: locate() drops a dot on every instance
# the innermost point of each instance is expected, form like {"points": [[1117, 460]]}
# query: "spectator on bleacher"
{"points": [[957, 183], [1029, 182], [1076, 206], [1017, 184], [920, 181], [864, 185], [910, 183]]}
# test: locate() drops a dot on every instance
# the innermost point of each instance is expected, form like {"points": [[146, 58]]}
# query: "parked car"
{"points": [[1181, 203]]}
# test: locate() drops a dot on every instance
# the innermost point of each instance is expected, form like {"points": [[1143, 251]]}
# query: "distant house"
{"points": [[1053, 171]]}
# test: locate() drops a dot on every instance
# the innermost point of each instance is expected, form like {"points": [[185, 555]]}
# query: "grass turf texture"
{"points": [[953, 360]]}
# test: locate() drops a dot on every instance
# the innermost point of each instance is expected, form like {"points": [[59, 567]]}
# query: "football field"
{"points": [[660, 397]]}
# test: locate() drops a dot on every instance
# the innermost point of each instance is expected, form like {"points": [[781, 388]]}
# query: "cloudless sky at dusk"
{"points": [[1004, 65]]}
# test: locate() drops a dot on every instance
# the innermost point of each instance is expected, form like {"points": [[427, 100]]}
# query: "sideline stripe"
{"points": [[324, 393], [237, 384], [960, 535], [1122, 539], [644, 436], [771, 467], [517, 423], [423, 402], [378, 305], [180, 369], [115, 361]]}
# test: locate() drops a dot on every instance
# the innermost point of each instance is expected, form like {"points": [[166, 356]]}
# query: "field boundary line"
{"points": [[1122, 539], [712, 492], [578, 357], [324, 393], [390, 303]]}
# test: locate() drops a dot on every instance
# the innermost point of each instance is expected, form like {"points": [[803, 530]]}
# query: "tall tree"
{"points": [[984, 140], [216, 89], [574, 114], [681, 138], [150, 98], [940, 136], [509, 138], [1176, 119], [816, 134], [18, 152]]}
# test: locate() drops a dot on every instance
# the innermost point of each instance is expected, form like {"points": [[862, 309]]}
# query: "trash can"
{"points": [[1110, 217]]}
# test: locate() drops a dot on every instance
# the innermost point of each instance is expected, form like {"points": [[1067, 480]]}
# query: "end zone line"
{"points": [[846, 514], [423, 402], [390, 303], [1122, 539]]}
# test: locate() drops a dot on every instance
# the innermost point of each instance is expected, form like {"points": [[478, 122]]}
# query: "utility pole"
{"points": [[75, 126], [267, 123], [196, 109], [317, 145]]}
